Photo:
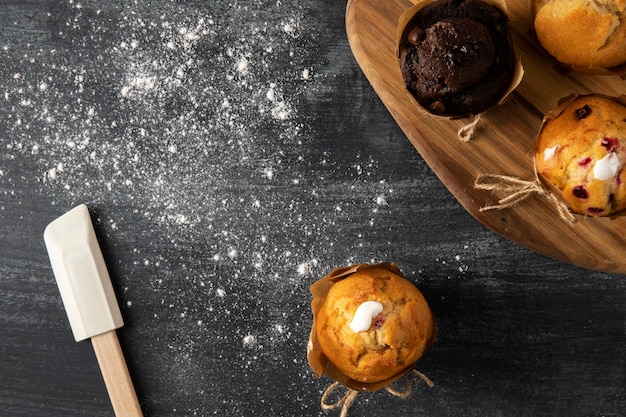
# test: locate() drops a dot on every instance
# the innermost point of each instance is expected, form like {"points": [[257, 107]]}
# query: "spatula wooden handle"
{"points": [[116, 376]]}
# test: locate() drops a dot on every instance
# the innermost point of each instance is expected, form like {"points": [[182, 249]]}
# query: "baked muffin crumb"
{"points": [[456, 56], [582, 152], [394, 337]]}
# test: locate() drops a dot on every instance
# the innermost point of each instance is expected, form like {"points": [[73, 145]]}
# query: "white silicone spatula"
{"points": [[89, 301]]}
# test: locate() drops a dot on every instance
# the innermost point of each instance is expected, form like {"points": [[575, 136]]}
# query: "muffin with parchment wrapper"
{"points": [[581, 153], [457, 56], [583, 35], [370, 326]]}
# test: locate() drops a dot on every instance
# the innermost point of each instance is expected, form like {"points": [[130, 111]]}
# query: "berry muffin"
{"points": [[581, 151], [372, 324]]}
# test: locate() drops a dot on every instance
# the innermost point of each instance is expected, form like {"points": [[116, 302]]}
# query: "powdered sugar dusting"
{"points": [[182, 99], [187, 129], [181, 88]]}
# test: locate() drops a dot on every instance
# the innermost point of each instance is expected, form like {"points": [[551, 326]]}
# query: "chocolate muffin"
{"points": [[456, 56]]}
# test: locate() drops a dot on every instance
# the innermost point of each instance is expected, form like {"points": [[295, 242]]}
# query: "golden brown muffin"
{"points": [[582, 151], [582, 33], [391, 341]]}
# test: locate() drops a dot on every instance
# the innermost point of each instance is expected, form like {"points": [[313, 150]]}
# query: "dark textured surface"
{"points": [[231, 154]]}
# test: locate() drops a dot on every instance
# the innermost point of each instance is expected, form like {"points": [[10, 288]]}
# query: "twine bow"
{"points": [[517, 190], [349, 397]]}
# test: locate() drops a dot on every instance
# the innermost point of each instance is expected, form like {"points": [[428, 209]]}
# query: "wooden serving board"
{"points": [[503, 142]]}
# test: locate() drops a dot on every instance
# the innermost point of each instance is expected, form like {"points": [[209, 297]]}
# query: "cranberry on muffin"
{"points": [[373, 325], [581, 152]]}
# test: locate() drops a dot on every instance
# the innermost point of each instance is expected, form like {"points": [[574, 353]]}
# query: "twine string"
{"points": [[517, 190], [466, 132], [424, 378], [401, 394], [346, 401]]}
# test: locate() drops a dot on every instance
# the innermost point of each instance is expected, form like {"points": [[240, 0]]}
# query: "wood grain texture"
{"points": [[503, 143], [115, 373]]}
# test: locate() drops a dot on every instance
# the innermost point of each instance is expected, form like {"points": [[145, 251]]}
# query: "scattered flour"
{"points": [[182, 97], [192, 121], [249, 340]]}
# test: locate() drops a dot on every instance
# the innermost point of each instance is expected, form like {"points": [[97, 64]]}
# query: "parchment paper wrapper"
{"points": [[553, 114], [518, 71], [318, 361], [619, 70], [517, 189]]}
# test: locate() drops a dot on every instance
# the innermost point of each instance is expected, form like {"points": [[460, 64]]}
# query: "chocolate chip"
{"points": [[437, 107], [415, 36]]}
